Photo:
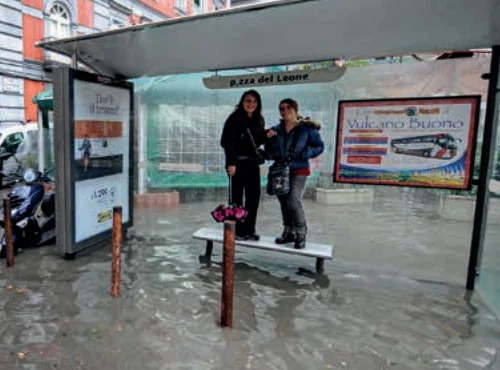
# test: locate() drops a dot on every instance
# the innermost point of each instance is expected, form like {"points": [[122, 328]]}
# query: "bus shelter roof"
{"points": [[287, 32]]}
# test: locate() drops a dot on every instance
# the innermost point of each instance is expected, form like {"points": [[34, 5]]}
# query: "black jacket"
{"points": [[235, 139]]}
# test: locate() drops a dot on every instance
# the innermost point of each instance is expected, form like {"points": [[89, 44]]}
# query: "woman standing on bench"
{"points": [[242, 135], [303, 135]]}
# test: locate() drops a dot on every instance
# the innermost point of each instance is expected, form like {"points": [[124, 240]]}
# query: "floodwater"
{"points": [[379, 305]]}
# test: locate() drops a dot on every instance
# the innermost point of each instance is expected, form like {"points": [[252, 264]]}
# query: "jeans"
{"points": [[292, 209], [246, 181]]}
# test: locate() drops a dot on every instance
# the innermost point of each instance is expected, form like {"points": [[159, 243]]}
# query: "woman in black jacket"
{"points": [[243, 133]]}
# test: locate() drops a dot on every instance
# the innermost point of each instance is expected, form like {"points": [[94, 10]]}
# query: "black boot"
{"points": [[300, 242], [254, 237], [241, 232], [285, 238]]}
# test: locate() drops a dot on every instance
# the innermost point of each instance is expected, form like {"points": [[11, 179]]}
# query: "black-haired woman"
{"points": [[243, 133]]}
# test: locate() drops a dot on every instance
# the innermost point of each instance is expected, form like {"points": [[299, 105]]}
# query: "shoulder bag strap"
{"points": [[291, 150], [251, 138]]}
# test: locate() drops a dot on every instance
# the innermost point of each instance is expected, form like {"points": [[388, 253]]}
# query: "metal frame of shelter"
{"points": [[301, 31]]}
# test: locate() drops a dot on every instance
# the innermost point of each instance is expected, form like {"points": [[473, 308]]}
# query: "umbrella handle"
{"points": [[230, 203]]}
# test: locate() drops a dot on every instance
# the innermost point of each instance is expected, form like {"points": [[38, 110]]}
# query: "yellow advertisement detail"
{"points": [[105, 216]]}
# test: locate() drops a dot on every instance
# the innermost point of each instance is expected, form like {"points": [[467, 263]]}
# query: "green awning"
{"points": [[44, 100]]}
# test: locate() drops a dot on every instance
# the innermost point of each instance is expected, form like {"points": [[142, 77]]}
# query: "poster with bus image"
{"points": [[423, 142]]}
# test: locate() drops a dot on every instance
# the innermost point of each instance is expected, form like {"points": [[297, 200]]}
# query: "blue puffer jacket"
{"points": [[309, 144]]}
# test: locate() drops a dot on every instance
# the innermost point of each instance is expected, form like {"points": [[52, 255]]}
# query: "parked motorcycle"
{"points": [[32, 212]]}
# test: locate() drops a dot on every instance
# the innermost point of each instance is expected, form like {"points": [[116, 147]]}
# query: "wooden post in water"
{"points": [[8, 232], [228, 275], [116, 263]]}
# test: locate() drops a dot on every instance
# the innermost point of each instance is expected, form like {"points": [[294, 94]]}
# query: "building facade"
{"points": [[25, 70]]}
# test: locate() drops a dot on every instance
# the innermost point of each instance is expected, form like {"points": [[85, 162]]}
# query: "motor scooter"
{"points": [[32, 212]]}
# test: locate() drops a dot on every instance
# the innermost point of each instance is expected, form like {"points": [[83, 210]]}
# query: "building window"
{"points": [[198, 6], [58, 25], [59, 21], [180, 5]]}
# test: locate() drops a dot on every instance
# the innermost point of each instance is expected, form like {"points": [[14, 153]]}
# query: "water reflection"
{"points": [[286, 317]]}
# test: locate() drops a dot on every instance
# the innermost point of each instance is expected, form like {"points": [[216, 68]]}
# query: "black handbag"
{"points": [[278, 177]]}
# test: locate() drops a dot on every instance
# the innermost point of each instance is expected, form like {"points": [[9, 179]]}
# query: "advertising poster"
{"points": [[424, 142], [101, 159]]}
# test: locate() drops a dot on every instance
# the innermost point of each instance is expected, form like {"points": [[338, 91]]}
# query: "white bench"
{"points": [[321, 252]]}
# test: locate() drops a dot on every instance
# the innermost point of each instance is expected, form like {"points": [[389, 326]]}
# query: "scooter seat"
{"points": [[48, 205]]}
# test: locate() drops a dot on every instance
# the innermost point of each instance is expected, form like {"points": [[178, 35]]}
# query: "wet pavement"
{"points": [[392, 298]]}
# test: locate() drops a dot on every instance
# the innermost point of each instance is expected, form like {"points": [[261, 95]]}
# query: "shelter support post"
{"points": [[142, 123], [41, 143], [489, 137], [74, 60]]}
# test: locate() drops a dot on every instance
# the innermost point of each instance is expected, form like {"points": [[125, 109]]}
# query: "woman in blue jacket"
{"points": [[308, 145]]}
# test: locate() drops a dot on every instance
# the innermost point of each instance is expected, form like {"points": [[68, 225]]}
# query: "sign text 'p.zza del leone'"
{"points": [[274, 78]]}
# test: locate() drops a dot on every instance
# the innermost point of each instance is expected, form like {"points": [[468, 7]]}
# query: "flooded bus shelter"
{"points": [[393, 297]]}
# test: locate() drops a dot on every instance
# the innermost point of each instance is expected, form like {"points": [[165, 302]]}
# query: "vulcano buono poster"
{"points": [[425, 142]]}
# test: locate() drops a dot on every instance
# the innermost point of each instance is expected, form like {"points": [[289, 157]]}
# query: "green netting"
{"points": [[490, 265], [173, 180], [184, 119]]}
